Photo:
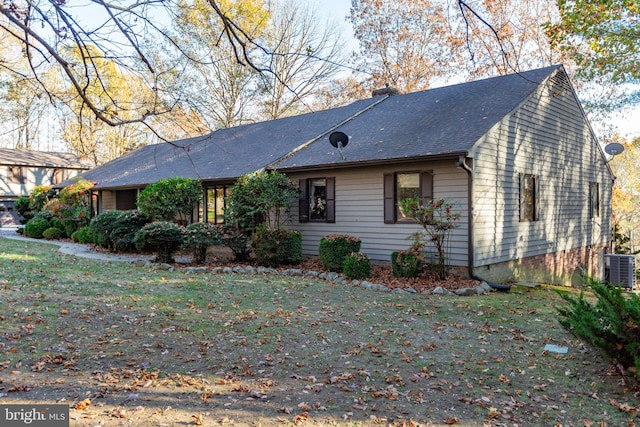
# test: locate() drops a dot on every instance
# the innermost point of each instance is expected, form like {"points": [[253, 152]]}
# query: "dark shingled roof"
{"points": [[436, 122], [14, 157], [223, 154]]}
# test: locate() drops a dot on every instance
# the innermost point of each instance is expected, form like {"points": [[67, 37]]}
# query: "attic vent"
{"points": [[559, 84], [385, 91]]}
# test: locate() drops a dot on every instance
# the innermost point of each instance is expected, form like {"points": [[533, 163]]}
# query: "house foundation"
{"points": [[563, 268]]}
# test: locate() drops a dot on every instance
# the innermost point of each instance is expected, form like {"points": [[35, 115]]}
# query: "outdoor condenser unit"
{"points": [[620, 270]]}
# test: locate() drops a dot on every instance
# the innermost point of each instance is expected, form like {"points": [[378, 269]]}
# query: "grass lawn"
{"points": [[128, 345]]}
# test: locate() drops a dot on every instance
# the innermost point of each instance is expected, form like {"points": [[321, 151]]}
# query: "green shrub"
{"points": [[170, 199], [278, 246], [82, 235], [162, 237], [406, 264], [115, 230], [37, 225], [612, 324], [52, 233], [101, 227], [334, 248], [198, 237], [23, 206], [124, 229], [236, 240], [356, 265]]}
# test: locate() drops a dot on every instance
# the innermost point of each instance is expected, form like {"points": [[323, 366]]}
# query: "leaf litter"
{"points": [[125, 345]]}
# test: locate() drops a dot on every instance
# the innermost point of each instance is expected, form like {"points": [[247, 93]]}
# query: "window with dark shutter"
{"points": [[317, 200], [404, 185]]}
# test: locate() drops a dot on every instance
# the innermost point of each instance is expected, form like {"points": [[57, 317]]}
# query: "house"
{"points": [[515, 154], [22, 170]]}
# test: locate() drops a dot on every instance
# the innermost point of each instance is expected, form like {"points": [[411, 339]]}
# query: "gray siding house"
{"points": [[515, 154], [22, 170]]}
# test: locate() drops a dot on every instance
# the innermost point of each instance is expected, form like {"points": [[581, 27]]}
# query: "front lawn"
{"points": [[128, 345]]}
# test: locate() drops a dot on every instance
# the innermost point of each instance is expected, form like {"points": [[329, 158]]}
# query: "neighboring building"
{"points": [[515, 153], [21, 171]]}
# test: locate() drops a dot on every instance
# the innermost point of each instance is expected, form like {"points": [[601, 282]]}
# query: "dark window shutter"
{"points": [[426, 186], [331, 199], [521, 196], [303, 202], [389, 198], [536, 199]]}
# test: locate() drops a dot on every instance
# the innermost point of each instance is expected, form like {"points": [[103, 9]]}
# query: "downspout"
{"points": [[462, 164]]}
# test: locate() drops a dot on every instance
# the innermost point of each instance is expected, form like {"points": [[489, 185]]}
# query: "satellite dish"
{"points": [[614, 148], [339, 140]]}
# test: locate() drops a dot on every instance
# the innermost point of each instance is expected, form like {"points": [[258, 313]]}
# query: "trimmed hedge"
{"points": [[334, 249], [37, 225], [52, 233], [162, 237], [278, 246]]}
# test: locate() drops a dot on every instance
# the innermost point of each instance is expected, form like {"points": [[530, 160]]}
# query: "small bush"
{"points": [[406, 264], [82, 235], [334, 248], [37, 225], [278, 246], [357, 266], [52, 233], [162, 237], [198, 237], [612, 325]]}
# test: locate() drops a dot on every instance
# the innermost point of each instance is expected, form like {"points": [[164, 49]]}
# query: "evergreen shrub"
{"points": [[52, 233], [612, 324], [82, 235], [162, 237], [37, 225], [356, 265], [277, 246], [115, 230], [334, 248]]}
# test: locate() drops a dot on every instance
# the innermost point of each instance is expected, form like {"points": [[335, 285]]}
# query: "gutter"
{"points": [[462, 164]]}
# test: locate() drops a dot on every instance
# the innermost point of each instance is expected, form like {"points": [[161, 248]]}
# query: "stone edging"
{"points": [[480, 289]]}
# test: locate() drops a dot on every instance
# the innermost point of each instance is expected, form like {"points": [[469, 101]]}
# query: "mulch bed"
{"points": [[382, 275]]}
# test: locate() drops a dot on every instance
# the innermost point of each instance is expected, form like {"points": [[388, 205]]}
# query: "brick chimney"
{"points": [[385, 91]]}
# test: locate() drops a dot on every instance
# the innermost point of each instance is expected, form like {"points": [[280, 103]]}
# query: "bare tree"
{"points": [[303, 56]]}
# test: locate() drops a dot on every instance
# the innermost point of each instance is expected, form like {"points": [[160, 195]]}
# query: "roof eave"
{"points": [[377, 162]]}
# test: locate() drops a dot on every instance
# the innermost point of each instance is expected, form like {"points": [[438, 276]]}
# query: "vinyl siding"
{"points": [[360, 210], [33, 176], [549, 137]]}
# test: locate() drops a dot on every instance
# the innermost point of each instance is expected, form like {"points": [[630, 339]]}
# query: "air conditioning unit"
{"points": [[620, 270]]}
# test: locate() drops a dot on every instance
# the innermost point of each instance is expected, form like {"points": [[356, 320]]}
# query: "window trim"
{"points": [[16, 175], [535, 198], [226, 190], [391, 193], [304, 214]]}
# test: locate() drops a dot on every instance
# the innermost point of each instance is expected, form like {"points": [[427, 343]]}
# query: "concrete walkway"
{"points": [[77, 249]]}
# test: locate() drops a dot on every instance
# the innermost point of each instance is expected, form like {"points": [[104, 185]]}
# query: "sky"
{"points": [[336, 10]]}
